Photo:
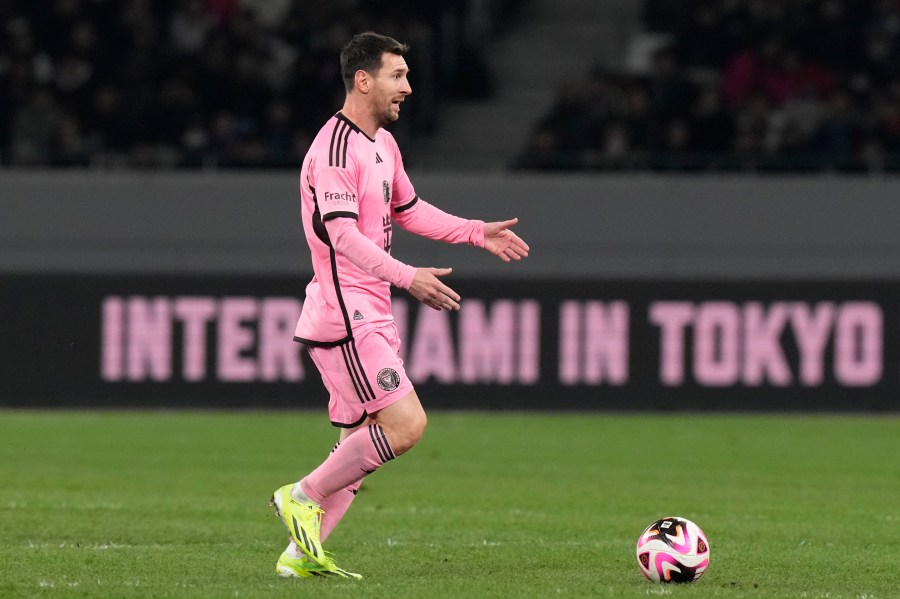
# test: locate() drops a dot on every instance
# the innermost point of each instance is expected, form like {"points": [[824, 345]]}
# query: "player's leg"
{"points": [[395, 430], [366, 375], [374, 380], [337, 504], [293, 561], [403, 423], [304, 517]]}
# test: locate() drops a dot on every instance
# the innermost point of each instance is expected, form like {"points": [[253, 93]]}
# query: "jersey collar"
{"points": [[340, 116]]}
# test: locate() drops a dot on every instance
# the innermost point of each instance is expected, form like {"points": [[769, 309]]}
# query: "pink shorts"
{"points": [[363, 375]]}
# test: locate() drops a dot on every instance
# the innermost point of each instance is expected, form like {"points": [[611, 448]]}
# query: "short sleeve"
{"points": [[337, 191]]}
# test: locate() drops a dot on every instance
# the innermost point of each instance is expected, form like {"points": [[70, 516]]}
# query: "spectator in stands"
{"points": [[711, 125], [278, 134], [108, 121], [568, 119], [750, 84], [641, 122], [73, 148], [35, 129], [189, 26], [706, 40], [543, 152], [888, 120], [165, 83], [672, 94], [840, 131]]}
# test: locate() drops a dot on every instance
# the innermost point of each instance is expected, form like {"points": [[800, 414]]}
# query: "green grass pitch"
{"points": [[174, 504]]}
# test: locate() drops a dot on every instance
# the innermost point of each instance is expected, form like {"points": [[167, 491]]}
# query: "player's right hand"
{"points": [[428, 289]]}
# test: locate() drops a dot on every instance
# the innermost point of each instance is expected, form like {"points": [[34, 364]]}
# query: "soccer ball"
{"points": [[673, 549]]}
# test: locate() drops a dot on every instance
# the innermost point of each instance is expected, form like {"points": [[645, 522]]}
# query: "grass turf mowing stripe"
{"points": [[153, 504]]}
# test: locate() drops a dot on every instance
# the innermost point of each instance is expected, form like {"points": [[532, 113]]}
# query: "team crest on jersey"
{"points": [[386, 188], [388, 379]]}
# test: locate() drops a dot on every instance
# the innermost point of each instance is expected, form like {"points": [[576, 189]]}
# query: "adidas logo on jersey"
{"points": [[378, 159], [357, 315]]}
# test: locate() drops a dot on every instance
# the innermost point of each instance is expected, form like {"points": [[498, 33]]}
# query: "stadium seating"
{"points": [[211, 83], [758, 85]]}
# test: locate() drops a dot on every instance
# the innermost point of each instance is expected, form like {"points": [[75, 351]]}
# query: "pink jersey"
{"points": [[348, 175]]}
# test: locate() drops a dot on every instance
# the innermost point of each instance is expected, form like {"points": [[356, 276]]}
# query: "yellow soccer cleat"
{"points": [[303, 520], [303, 567]]}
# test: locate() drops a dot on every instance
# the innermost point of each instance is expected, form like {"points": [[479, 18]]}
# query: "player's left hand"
{"points": [[501, 241]]}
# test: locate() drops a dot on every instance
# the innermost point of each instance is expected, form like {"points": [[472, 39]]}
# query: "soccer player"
{"points": [[353, 187]]}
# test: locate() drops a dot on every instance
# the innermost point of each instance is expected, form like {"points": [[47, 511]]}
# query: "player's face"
{"points": [[390, 89]]}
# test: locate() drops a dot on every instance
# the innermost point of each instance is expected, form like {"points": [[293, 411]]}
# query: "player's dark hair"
{"points": [[364, 51]]}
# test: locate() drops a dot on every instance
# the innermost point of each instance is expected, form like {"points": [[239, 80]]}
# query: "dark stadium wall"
{"points": [[642, 293], [580, 227], [226, 341]]}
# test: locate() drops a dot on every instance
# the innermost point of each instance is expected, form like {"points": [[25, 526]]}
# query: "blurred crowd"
{"points": [[213, 83], [780, 85]]}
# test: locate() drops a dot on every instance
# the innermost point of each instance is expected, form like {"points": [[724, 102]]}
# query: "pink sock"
{"points": [[360, 454], [335, 506]]}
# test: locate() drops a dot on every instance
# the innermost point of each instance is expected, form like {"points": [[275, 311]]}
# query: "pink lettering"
{"points": [[716, 344], [529, 342], [812, 331], [431, 354], [672, 317], [279, 354], [486, 345], [195, 313], [111, 348], [858, 344], [606, 343], [149, 339], [235, 339], [570, 343], [763, 356]]}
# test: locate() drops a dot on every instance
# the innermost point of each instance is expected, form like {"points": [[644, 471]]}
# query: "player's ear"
{"points": [[363, 82]]}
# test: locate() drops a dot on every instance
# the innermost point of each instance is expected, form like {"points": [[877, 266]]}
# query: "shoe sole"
{"points": [[286, 572]]}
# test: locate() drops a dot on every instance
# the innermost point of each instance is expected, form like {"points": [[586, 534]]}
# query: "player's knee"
{"points": [[408, 434]]}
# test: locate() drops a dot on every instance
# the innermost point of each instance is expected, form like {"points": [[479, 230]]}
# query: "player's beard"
{"points": [[389, 116]]}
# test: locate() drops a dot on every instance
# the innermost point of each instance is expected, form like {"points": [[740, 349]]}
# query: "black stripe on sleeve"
{"points": [[332, 215], [341, 141], [334, 135], [317, 224], [339, 137], [407, 205]]}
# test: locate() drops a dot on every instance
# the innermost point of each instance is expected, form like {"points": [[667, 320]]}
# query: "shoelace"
{"points": [[319, 513]]}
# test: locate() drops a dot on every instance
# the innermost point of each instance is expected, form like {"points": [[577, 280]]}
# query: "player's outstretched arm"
{"points": [[501, 241], [428, 289]]}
